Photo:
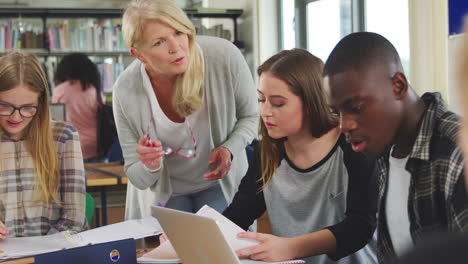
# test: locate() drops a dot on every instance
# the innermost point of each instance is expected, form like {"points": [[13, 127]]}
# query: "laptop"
{"points": [[196, 239]]}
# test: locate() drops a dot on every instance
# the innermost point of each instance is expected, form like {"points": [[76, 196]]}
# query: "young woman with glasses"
{"points": [[42, 186], [185, 110]]}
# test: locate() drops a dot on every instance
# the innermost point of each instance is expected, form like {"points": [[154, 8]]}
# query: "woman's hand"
{"points": [[3, 231], [163, 238], [150, 152], [222, 156], [271, 248]]}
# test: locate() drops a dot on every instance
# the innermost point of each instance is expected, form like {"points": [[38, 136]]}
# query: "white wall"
{"points": [[258, 28], [454, 46], [247, 26], [268, 29], [429, 46]]}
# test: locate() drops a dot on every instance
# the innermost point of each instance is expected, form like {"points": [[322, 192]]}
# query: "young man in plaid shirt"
{"points": [[420, 167]]}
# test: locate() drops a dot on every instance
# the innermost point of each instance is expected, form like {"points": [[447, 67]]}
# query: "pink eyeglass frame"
{"points": [[170, 150]]}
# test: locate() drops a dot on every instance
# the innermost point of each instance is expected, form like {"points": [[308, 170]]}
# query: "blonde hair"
{"points": [[24, 69], [189, 85], [302, 72]]}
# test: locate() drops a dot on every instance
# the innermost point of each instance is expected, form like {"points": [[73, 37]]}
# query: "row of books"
{"points": [[217, 30], [86, 35], [109, 74], [83, 35], [14, 35]]}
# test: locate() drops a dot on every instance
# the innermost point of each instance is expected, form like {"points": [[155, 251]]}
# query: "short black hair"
{"points": [[359, 50], [77, 66]]}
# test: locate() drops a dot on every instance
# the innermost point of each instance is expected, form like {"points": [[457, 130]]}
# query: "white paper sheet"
{"points": [[15, 247], [136, 229], [228, 228]]}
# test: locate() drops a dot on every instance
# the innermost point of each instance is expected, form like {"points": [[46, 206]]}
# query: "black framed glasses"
{"points": [[25, 111]]}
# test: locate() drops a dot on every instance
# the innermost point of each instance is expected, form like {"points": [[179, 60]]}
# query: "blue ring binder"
{"points": [[121, 251]]}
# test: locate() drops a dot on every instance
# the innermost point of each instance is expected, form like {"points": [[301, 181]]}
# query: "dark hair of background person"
{"points": [[358, 51], [77, 66]]}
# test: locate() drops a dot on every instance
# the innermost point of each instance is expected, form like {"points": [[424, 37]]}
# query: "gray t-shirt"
{"points": [[319, 201]]}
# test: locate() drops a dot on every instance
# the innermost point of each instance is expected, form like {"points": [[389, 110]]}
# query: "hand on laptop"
{"points": [[221, 156], [3, 231], [271, 248]]}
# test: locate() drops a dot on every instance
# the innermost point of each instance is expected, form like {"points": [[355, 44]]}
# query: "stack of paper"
{"points": [[136, 229], [27, 246]]}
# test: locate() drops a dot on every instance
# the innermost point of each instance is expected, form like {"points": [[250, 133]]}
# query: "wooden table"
{"points": [[102, 175]]}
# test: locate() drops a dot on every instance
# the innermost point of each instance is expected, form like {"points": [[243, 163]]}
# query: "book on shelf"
{"points": [[85, 35], [109, 74], [15, 34], [217, 30]]}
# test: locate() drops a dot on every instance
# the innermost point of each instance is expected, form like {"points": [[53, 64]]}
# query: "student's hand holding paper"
{"points": [[3, 231], [271, 248]]}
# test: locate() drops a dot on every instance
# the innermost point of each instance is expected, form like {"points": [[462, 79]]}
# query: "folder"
{"points": [[122, 251], [16, 247]]}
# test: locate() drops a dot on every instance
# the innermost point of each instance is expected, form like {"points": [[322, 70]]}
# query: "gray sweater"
{"points": [[233, 119]]}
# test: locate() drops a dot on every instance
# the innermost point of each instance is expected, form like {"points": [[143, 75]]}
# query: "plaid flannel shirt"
{"points": [[19, 211], [437, 199]]}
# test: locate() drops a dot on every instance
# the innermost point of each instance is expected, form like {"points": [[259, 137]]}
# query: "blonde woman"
{"points": [[42, 186], [185, 110]]}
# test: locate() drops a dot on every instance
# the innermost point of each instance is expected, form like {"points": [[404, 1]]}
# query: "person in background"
{"points": [[185, 110], [419, 166], [42, 190], [78, 86], [319, 194]]}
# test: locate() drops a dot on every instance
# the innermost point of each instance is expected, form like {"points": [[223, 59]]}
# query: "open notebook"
{"points": [[206, 236], [17, 247]]}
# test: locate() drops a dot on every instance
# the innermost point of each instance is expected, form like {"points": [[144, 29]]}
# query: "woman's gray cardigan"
{"points": [[233, 116]]}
